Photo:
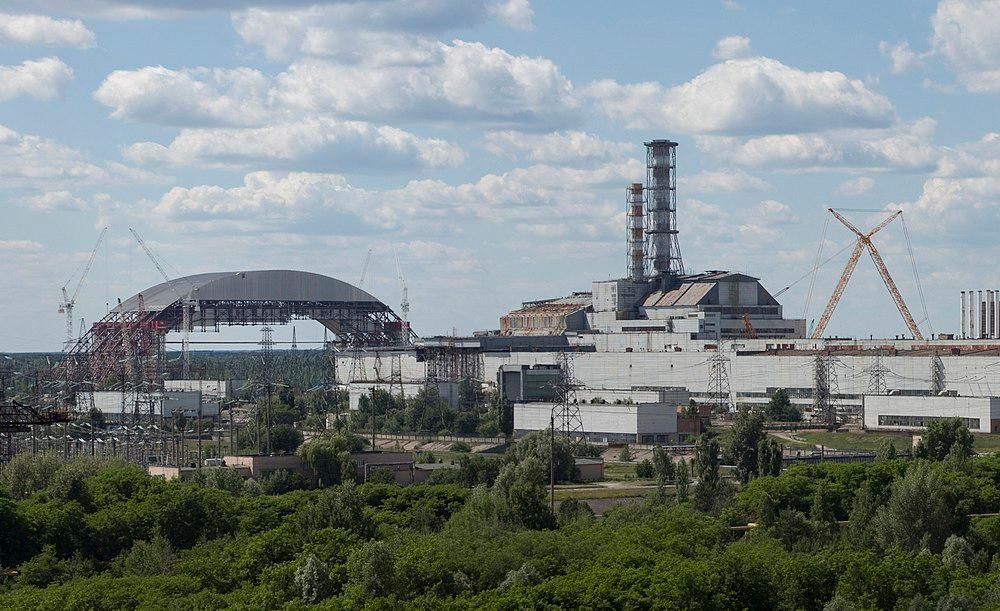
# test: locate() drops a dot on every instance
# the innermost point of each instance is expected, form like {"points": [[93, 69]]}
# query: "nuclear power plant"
{"points": [[613, 362]]}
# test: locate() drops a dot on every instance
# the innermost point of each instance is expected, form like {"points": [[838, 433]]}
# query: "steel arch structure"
{"points": [[129, 341]]}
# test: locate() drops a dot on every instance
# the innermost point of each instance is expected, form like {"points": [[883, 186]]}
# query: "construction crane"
{"points": [[364, 269], [404, 301], [68, 302], [751, 332], [864, 242], [185, 306]]}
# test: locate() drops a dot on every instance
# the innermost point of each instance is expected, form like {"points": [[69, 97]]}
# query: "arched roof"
{"points": [[258, 285]]}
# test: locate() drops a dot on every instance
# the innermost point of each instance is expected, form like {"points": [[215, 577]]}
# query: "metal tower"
{"points": [[635, 232], [825, 390], [938, 383], [719, 391], [566, 419], [876, 375], [267, 380], [661, 208]]}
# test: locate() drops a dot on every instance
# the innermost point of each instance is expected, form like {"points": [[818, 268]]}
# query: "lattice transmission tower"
{"points": [[719, 390], [825, 390], [566, 419]]}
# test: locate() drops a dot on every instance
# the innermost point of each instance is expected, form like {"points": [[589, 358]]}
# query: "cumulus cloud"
{"points": [[316, 144], [53, 201], [747, 97], [20, 246], [732, 47], [199, 96], [30, 161], [967, 34], [387, 32], [901, 57], [465, 82], [461, 82], [904, 147], [569, 147], [43, 30], [44, 79], [856, 186]]}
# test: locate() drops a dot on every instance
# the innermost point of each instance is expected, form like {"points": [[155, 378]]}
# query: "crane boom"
{"points": [[68, 303], [838, 292], [896, 296], [864, 242], [149, 254], [364, 269]]}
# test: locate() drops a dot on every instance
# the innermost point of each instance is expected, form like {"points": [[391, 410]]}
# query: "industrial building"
{"points": [[156, 404], [909, 413], [607, 423]]}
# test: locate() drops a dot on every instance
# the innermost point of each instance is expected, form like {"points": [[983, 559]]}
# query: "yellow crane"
{"points": [[864, 242]]}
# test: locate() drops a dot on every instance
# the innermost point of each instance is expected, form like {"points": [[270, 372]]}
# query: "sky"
{"points": [[486, 145]]}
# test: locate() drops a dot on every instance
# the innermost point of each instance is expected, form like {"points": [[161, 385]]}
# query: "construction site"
{"points": [[617, 363]]}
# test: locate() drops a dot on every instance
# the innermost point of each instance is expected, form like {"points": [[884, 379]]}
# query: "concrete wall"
{"points": [[900, 413], [111, 402]]}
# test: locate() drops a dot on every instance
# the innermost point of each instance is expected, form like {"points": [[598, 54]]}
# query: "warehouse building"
{"points": [[607, 423], [907, 413], [116, 403]]}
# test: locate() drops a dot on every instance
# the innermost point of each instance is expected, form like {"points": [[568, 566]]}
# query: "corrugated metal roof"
{"points": [[687, 294], [259, 285]]}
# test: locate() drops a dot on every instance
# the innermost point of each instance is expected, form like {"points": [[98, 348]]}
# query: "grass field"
{"points": [[871, 441], [598, 492]]}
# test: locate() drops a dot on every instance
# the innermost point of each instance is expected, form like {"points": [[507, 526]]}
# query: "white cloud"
{"points": [[569, 147], [44, 79], [29, 161], [747, 97], [946, 206], [708, 181], [967, 34], [972, 159], [52, 201], [905, 147], [856, 186], [43, 30], [315, 144], [199, 96], [465, 82], [515, 13], [20, 245], [901, 57], [732, 47], [379, 33], [461, 82]]}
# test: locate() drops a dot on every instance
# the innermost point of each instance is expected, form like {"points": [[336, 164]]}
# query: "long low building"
{"points": [[907, 413], [155, 404], [607, 423]]}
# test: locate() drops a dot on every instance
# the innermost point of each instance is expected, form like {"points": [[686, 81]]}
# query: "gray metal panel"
{"points": [[262, 285]]}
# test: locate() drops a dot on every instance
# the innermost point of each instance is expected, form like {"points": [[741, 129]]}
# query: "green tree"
{"points": [[682, 484], [329, 456], [919, 511], [148, 558], [748, 432], [769, 457], [886, 449], [780, 408], [957, 552], [372, 569], [859, 530], [313, 580], [707, 459], [645, 470], [944, 435], [626, 454], [520, 488], [285, 438]]}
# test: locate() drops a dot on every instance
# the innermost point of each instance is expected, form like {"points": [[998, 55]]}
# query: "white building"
{"points": [[905, 413], [155, 404], [215, 390], [607, 423]]}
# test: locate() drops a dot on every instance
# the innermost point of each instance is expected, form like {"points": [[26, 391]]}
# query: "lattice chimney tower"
{"points": [[635, 232], [661, 208]]}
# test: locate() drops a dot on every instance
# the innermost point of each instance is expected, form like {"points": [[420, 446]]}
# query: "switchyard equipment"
{"points": [[864, 242]]}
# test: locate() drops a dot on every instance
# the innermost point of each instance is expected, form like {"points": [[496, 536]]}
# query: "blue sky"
{"points": [[488, 143]]}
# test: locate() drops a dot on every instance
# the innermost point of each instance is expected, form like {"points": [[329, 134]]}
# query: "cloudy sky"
{"points": [[488, 143]]}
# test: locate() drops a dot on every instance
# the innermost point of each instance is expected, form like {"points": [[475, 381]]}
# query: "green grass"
{"points": [[867, 442], [603, 493]]}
